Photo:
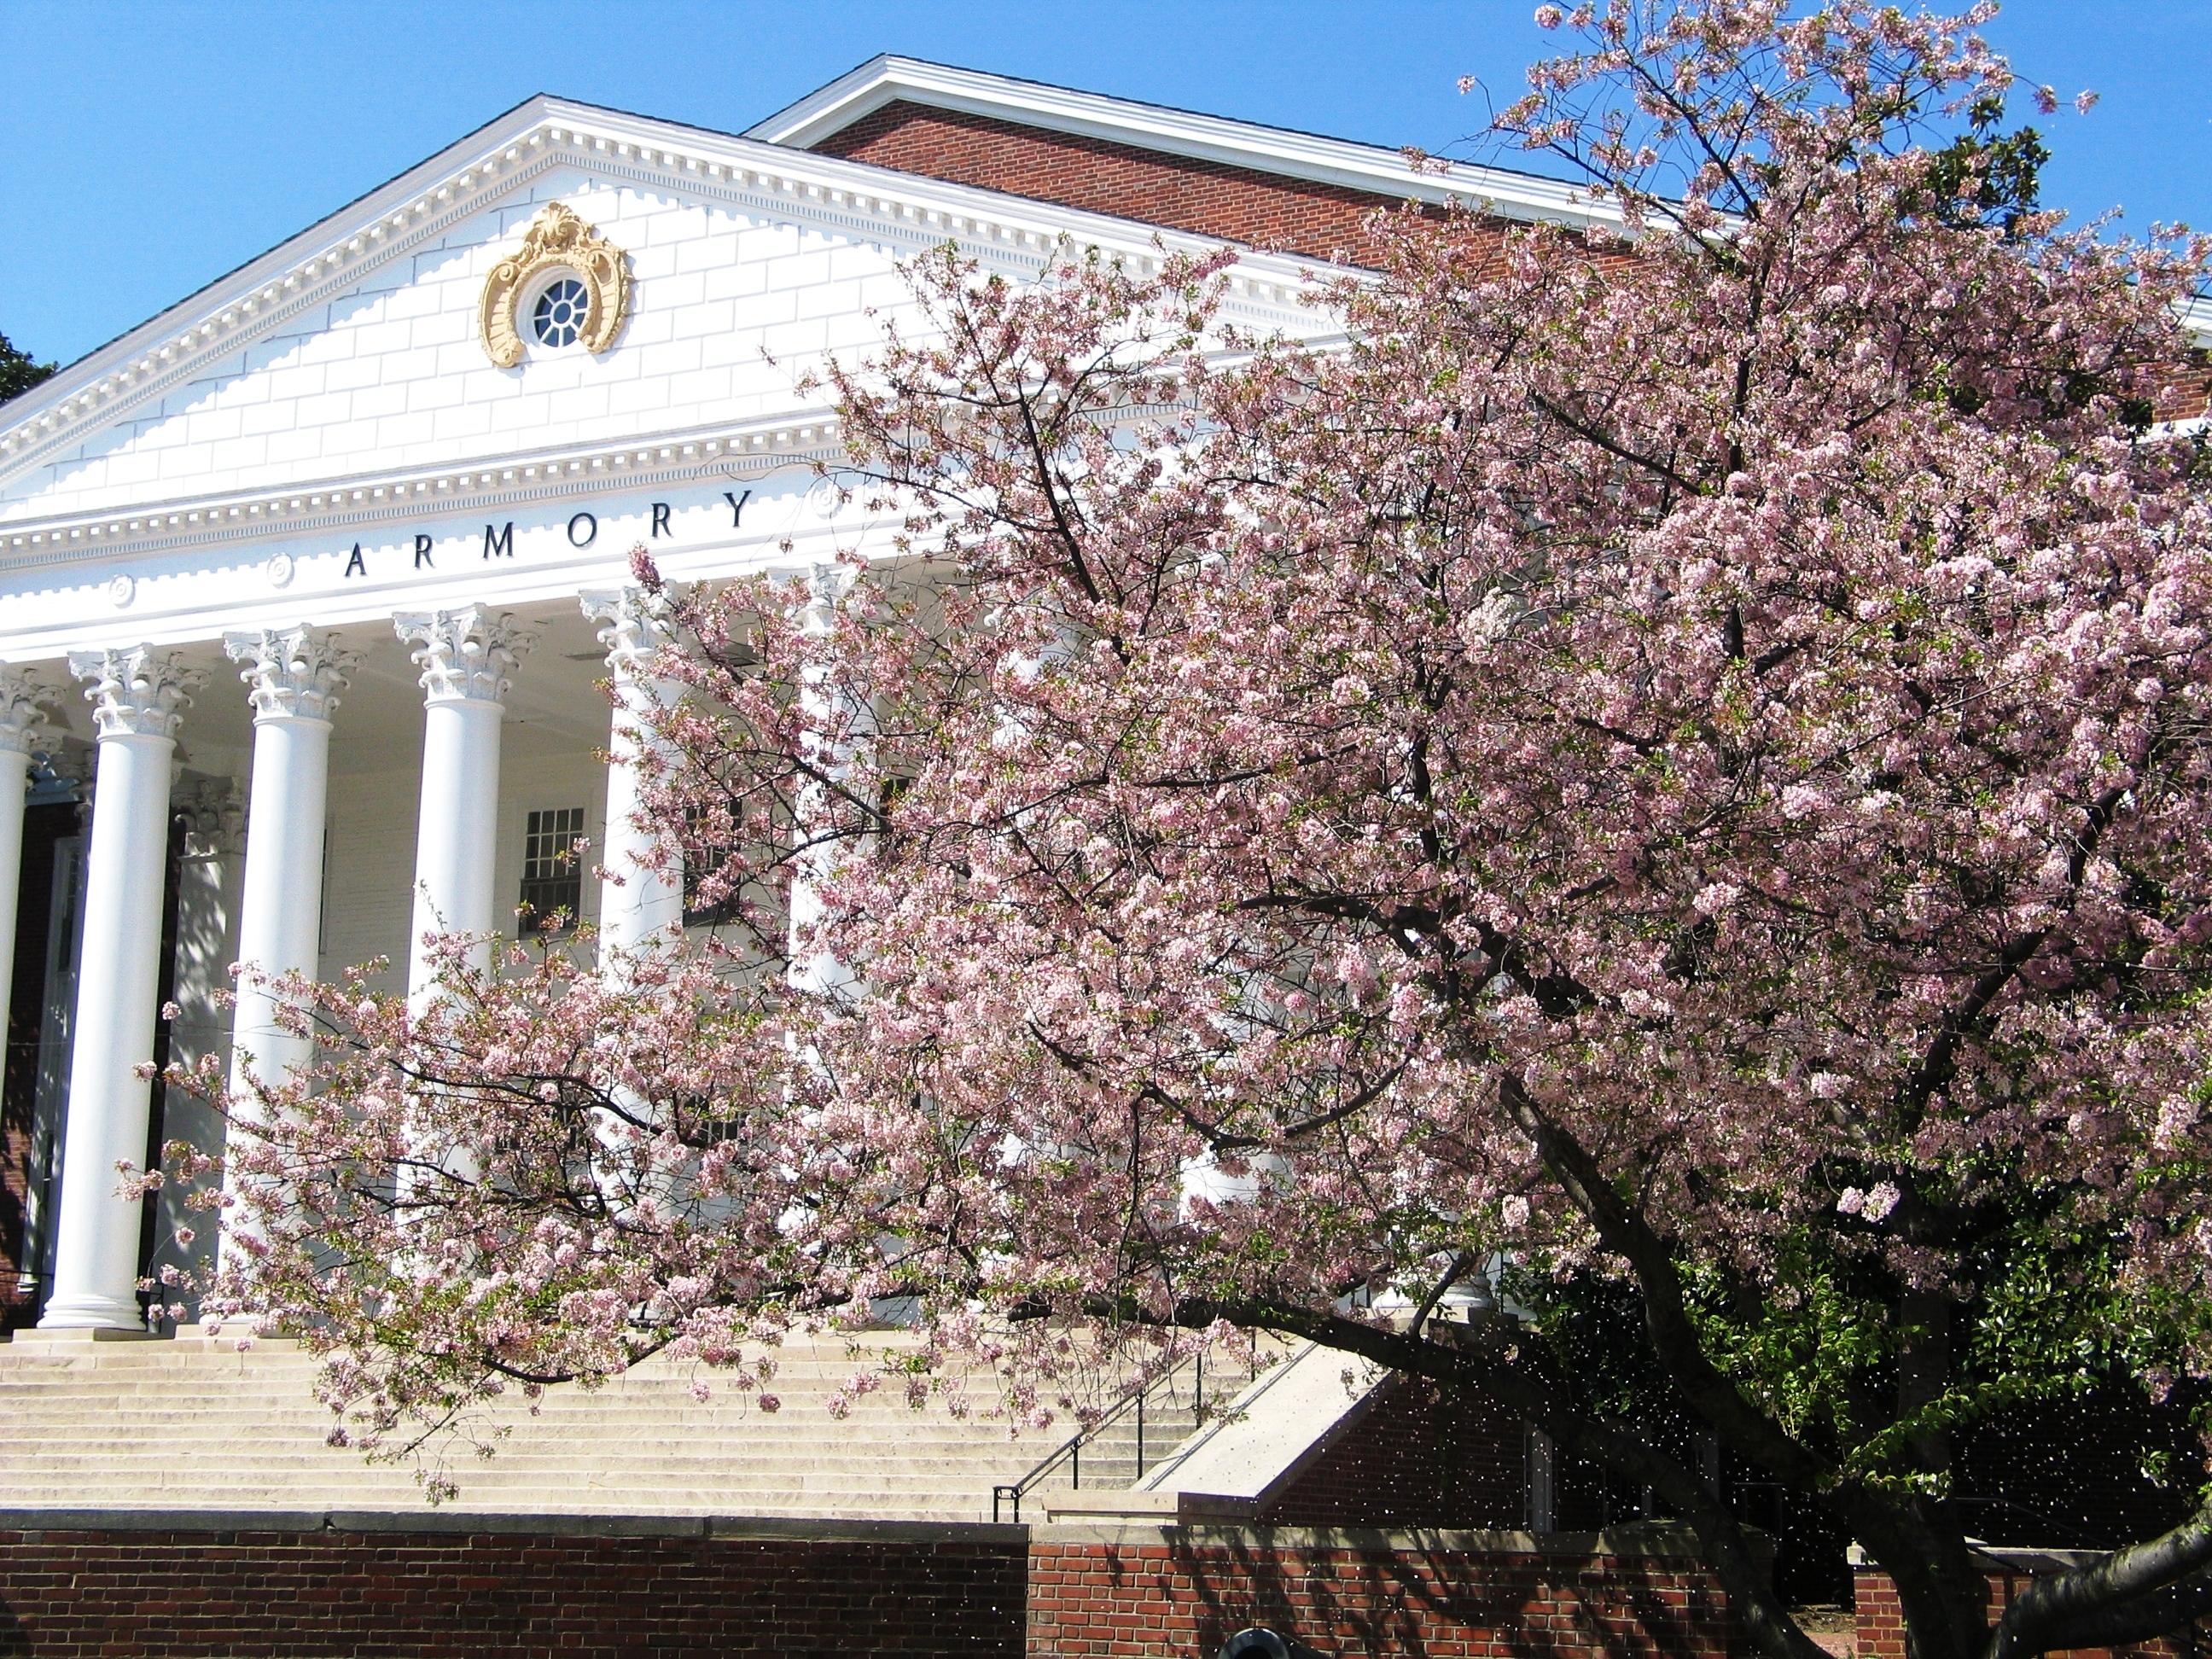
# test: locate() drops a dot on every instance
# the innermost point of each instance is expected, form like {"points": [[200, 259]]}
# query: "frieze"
{"points": [[745, 455], [423, 549]]}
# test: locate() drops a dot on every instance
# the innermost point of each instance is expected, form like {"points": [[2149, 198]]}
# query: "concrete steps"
{"points": [[198, 1425]]}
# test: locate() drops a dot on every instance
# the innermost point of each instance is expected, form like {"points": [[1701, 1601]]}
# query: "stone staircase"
{"points": [[1135, 1441], [198, 1425]]}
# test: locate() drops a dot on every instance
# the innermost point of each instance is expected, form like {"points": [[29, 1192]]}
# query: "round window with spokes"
{"points": [[557, 316]]}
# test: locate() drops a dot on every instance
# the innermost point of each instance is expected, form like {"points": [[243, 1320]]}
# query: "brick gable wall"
{"points": [[2188, 395], [1209, 199]]}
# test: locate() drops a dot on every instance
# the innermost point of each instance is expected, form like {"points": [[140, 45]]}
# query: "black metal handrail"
{"points": [[1070, 1450]]}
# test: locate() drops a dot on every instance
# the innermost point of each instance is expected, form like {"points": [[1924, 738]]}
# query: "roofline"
{"points": [[157, 332], [2195, 314], [333, 254], [1369, 167]]}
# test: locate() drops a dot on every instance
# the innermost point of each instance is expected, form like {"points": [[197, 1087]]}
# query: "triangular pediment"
{"points": [[355, 349]]}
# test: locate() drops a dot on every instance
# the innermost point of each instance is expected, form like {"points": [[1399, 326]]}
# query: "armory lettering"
{"points": [[582, 530]]}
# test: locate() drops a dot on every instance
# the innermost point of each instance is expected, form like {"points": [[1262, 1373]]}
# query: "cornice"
{"points": [[889, 79], [732, 450], [873, 204], [1340, 162], [2196, 319]]}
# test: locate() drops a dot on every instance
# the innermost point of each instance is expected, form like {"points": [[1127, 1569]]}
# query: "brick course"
{"points": [[1148, 1598], [1880, 1622], [1413, 1459], [1210, 198], [485, 1595], [2188, 395], [310, 1587]]}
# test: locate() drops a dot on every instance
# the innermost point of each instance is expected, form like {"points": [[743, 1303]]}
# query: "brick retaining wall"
{"points": [[248, 1590], [194, 1586], [1153, 1593], [1414, 1458], [1880, 1621]]}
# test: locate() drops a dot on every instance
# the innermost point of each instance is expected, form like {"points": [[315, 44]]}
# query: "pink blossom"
{"points": [[1732, 675]]}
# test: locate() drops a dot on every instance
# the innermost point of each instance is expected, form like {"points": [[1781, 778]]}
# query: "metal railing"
{"points": [[1006, 1499]]}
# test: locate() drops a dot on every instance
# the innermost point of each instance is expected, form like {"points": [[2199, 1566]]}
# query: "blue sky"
{"points": [[147, 147]]}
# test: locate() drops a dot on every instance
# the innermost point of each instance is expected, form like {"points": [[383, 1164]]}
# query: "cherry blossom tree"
{"points": [[1670, 771]]}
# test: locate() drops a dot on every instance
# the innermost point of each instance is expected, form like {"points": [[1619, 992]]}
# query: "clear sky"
{"points": [[147, 147]]}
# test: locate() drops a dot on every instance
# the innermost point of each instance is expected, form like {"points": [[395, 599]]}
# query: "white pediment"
{"points": [[352, 352]]}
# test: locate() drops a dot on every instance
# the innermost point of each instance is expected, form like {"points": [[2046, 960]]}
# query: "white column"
{"points": [[642, 899], [466, 656], [826, 587], [139, 696], [295, 676], [23, 733]]}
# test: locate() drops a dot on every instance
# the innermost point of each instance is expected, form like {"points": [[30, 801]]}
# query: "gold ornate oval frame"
{"points": [[556, 238]]}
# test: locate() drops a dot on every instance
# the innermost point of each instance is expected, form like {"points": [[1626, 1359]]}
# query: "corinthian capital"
{"points": [[23, 728], [827, 585], [138, 692], [634, 624], [295, 673], [465, 654], [215, 818]]}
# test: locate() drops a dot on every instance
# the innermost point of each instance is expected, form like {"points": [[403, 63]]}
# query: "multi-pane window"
{"points": [[552, 874], [702, 859], [559, 312]]}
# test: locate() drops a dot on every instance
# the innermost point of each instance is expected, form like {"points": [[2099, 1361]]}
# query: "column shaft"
{"points": [[649, 903], [642, 900], [464, 655], [96, 1263], [295, 675], [813, 967], [456, 835], [281, 909]]}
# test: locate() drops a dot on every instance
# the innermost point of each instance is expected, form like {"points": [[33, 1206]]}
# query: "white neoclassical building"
{"points": [[308, 585]]}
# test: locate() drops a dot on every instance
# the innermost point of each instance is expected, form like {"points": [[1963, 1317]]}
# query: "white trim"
{"points": [[735, 450], [1370, 167], [905, 210], [2197, 318]]}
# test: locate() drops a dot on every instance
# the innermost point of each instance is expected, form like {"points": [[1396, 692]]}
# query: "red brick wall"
{"points": [[413, 1595], [1210, 198], [1175, 1600], [1238, 204], [2185, 398], [1414, 1460], [163, 1590], [1881, 1623]]}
